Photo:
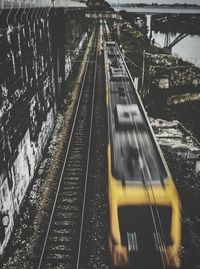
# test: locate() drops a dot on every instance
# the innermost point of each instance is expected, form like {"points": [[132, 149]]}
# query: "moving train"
{"points": [[144, 206]]}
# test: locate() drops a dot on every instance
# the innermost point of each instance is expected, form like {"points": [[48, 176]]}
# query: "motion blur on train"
{"points": [[144, 206]]}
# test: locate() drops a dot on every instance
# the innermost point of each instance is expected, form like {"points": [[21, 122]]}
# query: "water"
{"points": [[188, 48], [158, 10], [194, 2]]}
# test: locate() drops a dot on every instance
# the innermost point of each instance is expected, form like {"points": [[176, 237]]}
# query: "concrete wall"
{"points": [[69, 32], [34, 46], [27, 110], [75, 36]]}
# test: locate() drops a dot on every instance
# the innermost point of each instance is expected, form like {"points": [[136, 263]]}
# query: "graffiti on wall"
{"points": [[75, 36], [27, 112]]}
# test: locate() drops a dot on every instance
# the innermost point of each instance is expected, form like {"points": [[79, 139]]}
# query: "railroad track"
{"points": [[62, 244]]}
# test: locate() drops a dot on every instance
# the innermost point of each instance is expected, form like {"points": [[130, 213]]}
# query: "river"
{"points": [[188, 48], [158, 10]]}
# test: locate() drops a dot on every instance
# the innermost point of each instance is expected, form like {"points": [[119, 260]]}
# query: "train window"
{"points": [[110, 44], [115, 63], [126, 116], [112, 52], [117, 68], [121, 92], [138, 221], [119, 78], [117, 72]]}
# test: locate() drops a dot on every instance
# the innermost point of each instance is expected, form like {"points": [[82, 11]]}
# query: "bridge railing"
{"points": [[7, 4], [24, 3]]}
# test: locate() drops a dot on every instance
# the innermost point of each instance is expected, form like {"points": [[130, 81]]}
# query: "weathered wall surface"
{"points": [[166, 78], [75, 36], [27, 110], [69, 32], [32, 72]]}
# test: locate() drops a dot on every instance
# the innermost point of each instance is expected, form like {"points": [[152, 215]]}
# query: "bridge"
{"points": [[168, 44], [42, 48], [7, 4]]}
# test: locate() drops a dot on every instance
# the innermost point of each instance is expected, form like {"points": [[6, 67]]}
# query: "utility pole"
{"points": [[143, 69]]}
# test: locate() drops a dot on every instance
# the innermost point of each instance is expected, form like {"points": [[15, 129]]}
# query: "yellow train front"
{"points": [[144, 207]]}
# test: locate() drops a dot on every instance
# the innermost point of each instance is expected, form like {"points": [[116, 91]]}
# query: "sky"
{"points": [[156, 1]]}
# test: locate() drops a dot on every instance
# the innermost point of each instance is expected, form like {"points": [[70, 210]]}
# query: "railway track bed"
{"points": [[62, 243], [63, 240]]}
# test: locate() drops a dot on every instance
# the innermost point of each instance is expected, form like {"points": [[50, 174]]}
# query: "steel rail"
{"points": [[65, 160], [88, 160]]}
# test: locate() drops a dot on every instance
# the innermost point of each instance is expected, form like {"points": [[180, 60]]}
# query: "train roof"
{"points": [[126, 115], [135, 156], [118, 73]]}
